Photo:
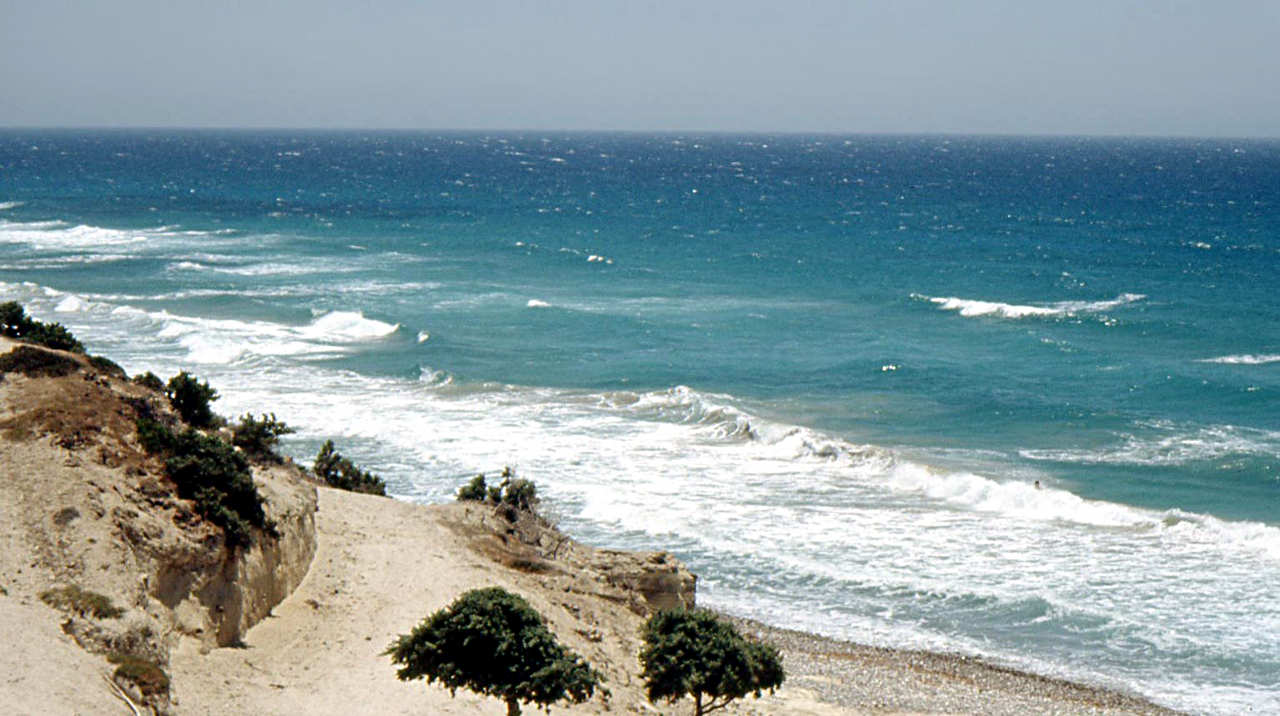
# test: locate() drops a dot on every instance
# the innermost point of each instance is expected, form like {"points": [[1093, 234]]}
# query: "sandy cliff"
{"points": [[82, 506]]}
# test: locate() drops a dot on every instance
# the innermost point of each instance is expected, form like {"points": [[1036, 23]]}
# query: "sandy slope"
{"points": [[382, 565]]}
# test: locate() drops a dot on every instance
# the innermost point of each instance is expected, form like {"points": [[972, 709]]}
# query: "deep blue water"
{"points": [[826, 371]]}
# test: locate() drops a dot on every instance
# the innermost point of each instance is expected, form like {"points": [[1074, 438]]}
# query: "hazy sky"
{"points": [[982, 66]]}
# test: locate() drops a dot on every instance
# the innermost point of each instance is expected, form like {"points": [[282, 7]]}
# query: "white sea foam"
{"points": [[1167, 444], [70, 304], [971, 307], [1244, 359], [535, 303], [347, 326], [7, 205]]}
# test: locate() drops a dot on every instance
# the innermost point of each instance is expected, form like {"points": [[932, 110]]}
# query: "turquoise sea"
{"points": [[1014, 397]]}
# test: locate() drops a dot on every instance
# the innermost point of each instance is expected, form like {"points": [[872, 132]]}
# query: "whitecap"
{"points": [[1244, 359], [347, 326], [70, 304], [970, 308], [535, 303]]}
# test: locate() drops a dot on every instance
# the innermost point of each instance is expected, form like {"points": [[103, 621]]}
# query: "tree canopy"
{"points": [[692, 653], [492, 642]]}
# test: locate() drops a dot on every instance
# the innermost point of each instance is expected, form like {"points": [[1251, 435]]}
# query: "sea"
{"points": [[1013, 397]]}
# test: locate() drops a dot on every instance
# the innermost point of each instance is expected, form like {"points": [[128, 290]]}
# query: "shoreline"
{"points": [[895, 680]]}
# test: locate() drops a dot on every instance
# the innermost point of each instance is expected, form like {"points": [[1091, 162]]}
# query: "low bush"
{"points": [[82, 602], [108, 366], [474, 491], [513, 492], [191, 397], [337, 471], [37, 363], [149, 380], [213, 474], [146, 674], [259, 436], [15, 323]]}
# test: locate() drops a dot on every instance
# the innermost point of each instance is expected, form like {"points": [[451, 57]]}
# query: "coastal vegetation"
{"points": [[210, 472], [15, 323], [37, 363], [696, 654], [83, 602], [338, 471], [513, 492], [144, 673], [258, 437], [191, 397], [492, 642]]}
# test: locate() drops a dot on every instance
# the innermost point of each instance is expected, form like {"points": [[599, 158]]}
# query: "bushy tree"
{"points": [[492, 642], [258, 437], [191, 398], [337, 471], [695, 654]]}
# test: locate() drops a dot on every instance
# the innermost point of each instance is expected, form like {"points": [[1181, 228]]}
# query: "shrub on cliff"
{"points": [[149, 380], [15, 323], [259, 436], [337, 471], [492, 642], [82, 602], [191, 398], [37, 363], [695, 654], [513, 492], [212, 474], [144, 673]]}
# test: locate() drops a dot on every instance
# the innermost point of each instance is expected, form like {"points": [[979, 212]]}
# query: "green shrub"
{"points": [[191, 398], [15, 323], [474, 491], [146, 674], [37, 363], [492, 642], [82, 602], [692, 653], [155, 437], [108, 366], [512, 493], [259, 436], [211, 473], [337, 471], [149, 380]]}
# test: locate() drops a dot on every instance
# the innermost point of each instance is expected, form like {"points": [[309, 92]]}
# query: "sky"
{"points": [[1098, 67]]}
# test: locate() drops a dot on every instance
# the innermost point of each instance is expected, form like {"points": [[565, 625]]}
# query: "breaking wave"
{"points": [[970, 308]]}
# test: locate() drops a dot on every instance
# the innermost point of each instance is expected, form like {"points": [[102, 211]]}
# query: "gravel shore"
{"points": [[874, 679]]}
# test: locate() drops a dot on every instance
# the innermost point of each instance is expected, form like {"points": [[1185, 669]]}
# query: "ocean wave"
{"points": [[971, 308], [1244, 359], [7, 205], [535, 303], [1176, 445]]}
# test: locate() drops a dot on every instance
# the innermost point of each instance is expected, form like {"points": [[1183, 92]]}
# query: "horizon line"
{"points": [[714, 132]]}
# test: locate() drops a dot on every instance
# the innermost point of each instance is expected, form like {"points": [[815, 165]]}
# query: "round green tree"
{"points": [[692, 653], [492, 642]]}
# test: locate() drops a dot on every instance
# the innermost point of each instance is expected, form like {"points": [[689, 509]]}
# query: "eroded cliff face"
{"points": [[83, 506]]}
